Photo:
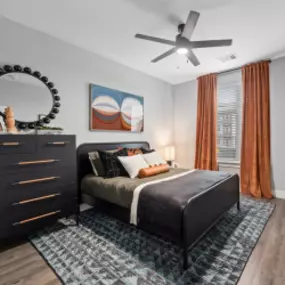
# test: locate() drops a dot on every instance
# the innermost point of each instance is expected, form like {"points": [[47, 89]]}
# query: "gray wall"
{"points": [[277, 105], [185, 104], [185, 112], [73, 69]]}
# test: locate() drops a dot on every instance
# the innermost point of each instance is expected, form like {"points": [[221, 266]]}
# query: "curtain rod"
{"points": [[239, 67]]}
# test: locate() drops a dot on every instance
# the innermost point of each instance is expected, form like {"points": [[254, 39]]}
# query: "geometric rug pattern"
{"points": [[106, 251]]}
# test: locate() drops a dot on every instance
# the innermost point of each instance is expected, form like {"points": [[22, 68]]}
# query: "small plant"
{"points": [[50, 128]]}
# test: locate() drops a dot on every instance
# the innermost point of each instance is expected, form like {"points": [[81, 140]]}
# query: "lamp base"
{"points": [[169, 162]]}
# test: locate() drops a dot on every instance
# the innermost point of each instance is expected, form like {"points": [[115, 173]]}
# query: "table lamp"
{"points": [[169, 154]]}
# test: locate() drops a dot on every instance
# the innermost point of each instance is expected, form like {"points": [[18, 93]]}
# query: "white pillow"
{"points": [[133, 164], [93, 156], [153, 158]]}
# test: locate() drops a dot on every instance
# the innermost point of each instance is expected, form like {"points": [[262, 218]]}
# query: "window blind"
{"points": [[229, 117]]}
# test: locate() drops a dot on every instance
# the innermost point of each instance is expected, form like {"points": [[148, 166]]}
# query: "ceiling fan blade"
{"points": [[153, 39], [208, 44], [168, 53], [190, 24], [192, 57]]}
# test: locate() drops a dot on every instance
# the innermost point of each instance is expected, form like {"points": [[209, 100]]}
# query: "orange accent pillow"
{"points": [[153, 170], [134, 151]]}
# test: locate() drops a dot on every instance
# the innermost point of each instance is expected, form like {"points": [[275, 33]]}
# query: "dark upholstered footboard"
{"points": [[203, 211]]}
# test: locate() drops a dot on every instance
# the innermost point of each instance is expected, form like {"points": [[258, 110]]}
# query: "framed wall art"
{"points": [[113, 110]]}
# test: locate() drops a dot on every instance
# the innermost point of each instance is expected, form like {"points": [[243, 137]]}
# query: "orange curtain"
{"points": [[255, 152], [206, 150]]}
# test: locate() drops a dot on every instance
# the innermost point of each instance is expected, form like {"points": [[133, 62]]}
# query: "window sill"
{"points": [[231, 164]]}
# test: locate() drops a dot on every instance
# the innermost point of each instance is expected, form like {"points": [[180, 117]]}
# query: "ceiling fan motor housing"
{"points": [[181, 28], [182, 42]]}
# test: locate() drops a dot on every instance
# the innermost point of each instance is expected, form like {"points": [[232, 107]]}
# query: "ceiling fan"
{"points": [[183, 44]]}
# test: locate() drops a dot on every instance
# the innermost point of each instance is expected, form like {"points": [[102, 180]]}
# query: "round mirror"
{"points": [[33, 98], [28, 96]]}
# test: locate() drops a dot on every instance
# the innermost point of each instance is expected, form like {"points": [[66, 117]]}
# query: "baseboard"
{"points": [[279, 194]]}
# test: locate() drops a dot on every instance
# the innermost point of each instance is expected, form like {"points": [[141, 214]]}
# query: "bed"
{"points": [[181, 205]]}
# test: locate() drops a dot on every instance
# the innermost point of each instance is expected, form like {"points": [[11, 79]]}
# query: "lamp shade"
{"points": [[169, 153]]}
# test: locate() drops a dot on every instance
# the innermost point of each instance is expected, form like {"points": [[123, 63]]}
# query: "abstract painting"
{"points": [[113, 110]]}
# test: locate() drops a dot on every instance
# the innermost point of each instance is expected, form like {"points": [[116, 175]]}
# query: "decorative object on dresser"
{"points": [[114, 110], [10, 121], [44, 130], [38, 181], [29, 94]]}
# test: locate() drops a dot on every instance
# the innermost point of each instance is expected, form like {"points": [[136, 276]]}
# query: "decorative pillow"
{"points": [[146, 150], [153, 170], [96, 162], [154, 158], [111, 164], [133, 164], [134, 151]]}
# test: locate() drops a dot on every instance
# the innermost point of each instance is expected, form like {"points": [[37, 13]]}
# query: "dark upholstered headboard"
{"points": [[83, 163]]}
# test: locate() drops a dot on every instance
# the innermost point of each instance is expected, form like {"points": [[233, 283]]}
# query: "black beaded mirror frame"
{"points": [[54, 93]]}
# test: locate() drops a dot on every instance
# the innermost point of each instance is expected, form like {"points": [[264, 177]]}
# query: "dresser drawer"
{"points": [[56, 144], [16, 144], [15, 188], [28, 209], [34, 223], [16, 163]]}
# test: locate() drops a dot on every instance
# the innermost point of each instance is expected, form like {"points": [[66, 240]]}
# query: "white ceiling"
{"points": [[107, 27]]}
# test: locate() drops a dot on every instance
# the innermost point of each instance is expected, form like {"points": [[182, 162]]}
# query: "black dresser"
{"points": [[37, 181]]}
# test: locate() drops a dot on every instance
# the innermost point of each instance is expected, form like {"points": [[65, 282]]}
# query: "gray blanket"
{"points": [[161, 205]]}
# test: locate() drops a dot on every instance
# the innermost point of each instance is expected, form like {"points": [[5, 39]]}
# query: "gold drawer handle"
{"points": [[9, 143], [58, 143], [36, 218], [36, 199], [36, 180], [37, 162]]}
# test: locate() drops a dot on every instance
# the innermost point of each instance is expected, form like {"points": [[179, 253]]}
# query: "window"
{"points": [[229, 117]]}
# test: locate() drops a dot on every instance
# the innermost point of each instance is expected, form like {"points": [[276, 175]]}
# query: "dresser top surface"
{"points": [[33, 135]]}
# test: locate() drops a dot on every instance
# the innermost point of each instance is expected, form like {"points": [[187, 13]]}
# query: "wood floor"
{"points": [[22, 265]]}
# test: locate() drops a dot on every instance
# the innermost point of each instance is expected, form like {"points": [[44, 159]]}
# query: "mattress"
{"points": [[119, 190]]}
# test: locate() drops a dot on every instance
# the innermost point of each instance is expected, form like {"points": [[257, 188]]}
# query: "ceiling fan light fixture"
{"points": [[182, 51]]}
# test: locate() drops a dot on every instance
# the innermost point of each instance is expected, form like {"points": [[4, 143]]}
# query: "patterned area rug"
{"points": [[105, 251]]}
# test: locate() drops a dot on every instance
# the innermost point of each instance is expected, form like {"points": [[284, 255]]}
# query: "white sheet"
{"points": [[137, 191]]}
